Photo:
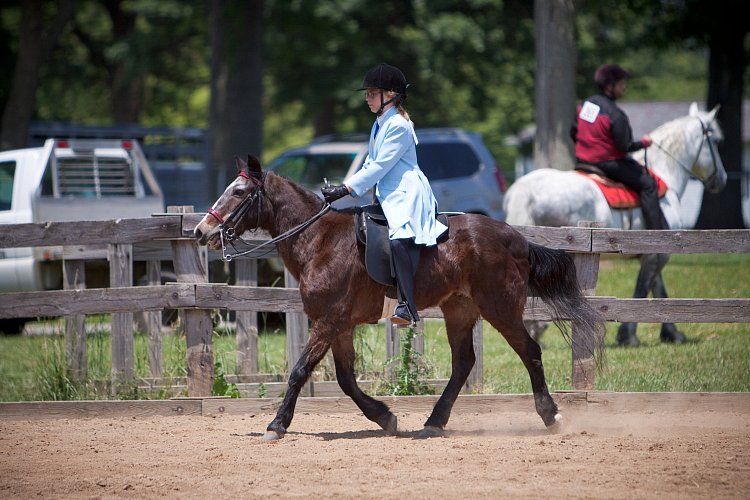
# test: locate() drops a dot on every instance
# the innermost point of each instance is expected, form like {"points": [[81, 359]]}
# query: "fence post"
{"points": [[153, 323], [475, 381], [296, 335], [587, 270], [190, 267], [74, 278], [393, 343], [246, 272], [121, 275]]}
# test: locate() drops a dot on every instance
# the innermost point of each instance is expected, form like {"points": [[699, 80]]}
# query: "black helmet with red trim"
{"points": [[607, 74]]}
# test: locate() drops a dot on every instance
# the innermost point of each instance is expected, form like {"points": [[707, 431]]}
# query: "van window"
{"points": [[446, 160], [310, 169], [7, 172]]}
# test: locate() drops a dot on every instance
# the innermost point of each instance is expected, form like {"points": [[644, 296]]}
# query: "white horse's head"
{"points": [[708, 166], [688, 146]]}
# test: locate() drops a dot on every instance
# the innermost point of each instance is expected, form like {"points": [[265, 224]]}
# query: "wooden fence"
{"points": [[168, 237]]}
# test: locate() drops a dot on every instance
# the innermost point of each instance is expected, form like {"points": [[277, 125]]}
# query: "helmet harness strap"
{"points": [[385, 103]]}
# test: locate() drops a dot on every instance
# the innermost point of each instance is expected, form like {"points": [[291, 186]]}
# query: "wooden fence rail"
{"points": [[168, 237]]}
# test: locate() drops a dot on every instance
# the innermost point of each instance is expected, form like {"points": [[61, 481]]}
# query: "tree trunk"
{"points": [[236, 112], [725, 87], [323, 121], [555, 97], [127, 80], [34, 47]]}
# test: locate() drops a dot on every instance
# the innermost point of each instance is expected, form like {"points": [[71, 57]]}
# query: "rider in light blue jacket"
{"points": [[400, 186]]}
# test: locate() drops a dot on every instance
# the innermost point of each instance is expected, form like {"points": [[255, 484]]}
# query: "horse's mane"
{"points": [[671, 135], [309, 195]]}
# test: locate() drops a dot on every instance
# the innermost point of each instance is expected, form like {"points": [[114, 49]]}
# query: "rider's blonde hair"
{"points": [[388, 94]]}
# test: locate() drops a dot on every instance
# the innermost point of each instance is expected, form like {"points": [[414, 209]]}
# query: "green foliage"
{"points": [[471, 62], [220, 386], [409, 371]]}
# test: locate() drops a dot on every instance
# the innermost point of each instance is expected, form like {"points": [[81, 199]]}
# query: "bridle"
{"points": [[707, 133], [227, 233]]}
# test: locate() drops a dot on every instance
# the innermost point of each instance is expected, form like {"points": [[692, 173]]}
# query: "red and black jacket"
{"points": [[602, 131]]}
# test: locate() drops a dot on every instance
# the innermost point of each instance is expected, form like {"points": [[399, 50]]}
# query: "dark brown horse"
{"points": [[484, 268]]}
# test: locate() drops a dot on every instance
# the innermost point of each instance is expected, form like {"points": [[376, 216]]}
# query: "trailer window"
{"points": [[7, 172], [93, 176]]}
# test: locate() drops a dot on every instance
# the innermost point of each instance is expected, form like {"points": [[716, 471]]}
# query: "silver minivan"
{"points": [[462, 172]]}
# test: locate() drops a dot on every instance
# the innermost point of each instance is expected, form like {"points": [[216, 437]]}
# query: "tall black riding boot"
{"points": [[653, 217], [404, 261]]}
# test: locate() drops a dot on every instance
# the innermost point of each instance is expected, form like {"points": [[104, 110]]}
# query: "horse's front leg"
{"points": [[650, 272], [460, 316], [374, 410], [314, 350]]}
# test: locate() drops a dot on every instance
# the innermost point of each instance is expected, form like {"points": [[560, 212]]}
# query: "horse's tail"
{"points": [[552, 277]]}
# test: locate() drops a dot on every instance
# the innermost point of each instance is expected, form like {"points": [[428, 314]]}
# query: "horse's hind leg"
{"points": [[531, 355], [651, 266], [377, 411], [460, 316], [669, 331], [313, 352]]}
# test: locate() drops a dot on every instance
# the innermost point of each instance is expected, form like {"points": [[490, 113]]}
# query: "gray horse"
{"points": [[682, 148]]}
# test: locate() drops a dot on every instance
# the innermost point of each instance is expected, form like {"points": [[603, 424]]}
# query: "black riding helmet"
{"points": [[385, 77], [607, 74]]}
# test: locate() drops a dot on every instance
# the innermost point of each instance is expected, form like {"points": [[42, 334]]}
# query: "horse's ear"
{"points": [[713, 112], [694, 109], [240, 163], [253, 164]]}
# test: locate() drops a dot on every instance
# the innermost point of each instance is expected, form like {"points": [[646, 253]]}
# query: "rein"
{"points": [[227, 233], [706, 134]]}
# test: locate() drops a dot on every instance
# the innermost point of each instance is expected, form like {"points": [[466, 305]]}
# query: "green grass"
{"points": [[715, 358]]}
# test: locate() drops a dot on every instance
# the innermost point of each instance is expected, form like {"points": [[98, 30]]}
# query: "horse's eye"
{"points": [[239, 193]]}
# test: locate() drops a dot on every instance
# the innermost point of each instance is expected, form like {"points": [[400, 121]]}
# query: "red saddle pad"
{"points": [[617, 195]]}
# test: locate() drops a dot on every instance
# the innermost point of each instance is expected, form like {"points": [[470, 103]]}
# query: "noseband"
{"points": [[707, 133], [226, 227], [227, 233]]}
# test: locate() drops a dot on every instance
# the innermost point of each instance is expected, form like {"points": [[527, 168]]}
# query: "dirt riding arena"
{"points": [[642, 446]]}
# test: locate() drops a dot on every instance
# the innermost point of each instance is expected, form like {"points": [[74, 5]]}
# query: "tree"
{"points": [[236, 109], [727, 33], [38, 36], [555, 82]]}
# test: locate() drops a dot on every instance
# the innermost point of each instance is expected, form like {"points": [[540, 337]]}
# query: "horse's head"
{"points": [[708, 166], [238, 209]]}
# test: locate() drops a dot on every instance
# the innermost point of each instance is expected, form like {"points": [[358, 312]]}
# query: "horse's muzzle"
{"points": [[718, 183], [210, 238]]}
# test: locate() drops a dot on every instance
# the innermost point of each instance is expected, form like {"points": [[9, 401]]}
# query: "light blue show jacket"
{"points": [[400, 186]]}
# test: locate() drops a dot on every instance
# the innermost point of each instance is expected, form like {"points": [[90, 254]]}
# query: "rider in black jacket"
{"points": [[603, 138]]}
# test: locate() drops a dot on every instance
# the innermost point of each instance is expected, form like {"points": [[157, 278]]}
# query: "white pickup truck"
{"points": [[68, 180]]}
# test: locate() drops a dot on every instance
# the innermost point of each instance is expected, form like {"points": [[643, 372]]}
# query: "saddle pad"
{"points": [[619, 196]]}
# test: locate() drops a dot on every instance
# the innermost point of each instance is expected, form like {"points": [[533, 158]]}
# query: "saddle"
{"points": [[616, 193], [371, 230]]}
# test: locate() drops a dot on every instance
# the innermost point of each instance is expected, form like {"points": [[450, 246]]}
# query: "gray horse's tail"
{"points": [[552, 278]]}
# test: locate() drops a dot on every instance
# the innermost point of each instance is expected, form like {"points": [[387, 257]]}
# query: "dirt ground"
{"points": [[639, 454]]}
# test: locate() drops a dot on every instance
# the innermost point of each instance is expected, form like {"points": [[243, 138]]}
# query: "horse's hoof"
{"points": [[430, 431], [676, 338], [270, 436], [629, 341], [391, 425], [557, 425]]}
